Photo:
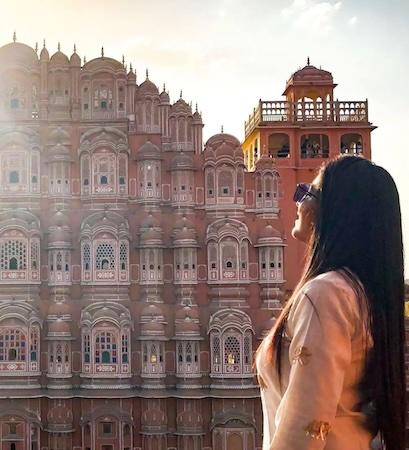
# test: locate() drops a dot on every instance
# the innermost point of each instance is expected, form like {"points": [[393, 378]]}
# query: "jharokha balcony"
{"points": [[271, 112]]}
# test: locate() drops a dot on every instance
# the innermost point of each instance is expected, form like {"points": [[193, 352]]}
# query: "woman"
{"points": [[331, 370]]}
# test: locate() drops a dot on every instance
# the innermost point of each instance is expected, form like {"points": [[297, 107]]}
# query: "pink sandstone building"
{"points": [[139, 269]]}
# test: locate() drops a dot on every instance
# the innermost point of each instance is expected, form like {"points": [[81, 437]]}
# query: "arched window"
{"points": [[103, 98], [105, 256], [271, 263], [151, 265], [12, 354], [267, 189], [185, 265], [13, 345], [105, 345], [86, 347], [210, 187], [187, 361], [14, 177], [85, 174], [225, 183], [104, 168], [153, 361], [18, 166], [314, 146], [227, 251], [230, 344], [106, 351], [86, 257], [149, 183], [279, 145], [351, 143], [15, 256]]}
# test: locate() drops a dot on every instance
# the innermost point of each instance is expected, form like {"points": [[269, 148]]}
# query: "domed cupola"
{"points": [[147, 87], [59, 58], [59, 231], [187, 322], [164, 96], [184, 234], [44, 55], [148, 151], [75, 60]]}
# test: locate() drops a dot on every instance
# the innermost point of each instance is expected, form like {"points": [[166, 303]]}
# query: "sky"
{"points": [[227, 54]]}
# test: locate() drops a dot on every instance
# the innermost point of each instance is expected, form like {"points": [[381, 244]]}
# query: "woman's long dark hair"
{"points": [[358, 233]]}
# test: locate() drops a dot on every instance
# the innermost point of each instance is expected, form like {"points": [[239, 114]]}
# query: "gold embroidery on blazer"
{"points": [[302, 355], [261, 382], [317, 429]]}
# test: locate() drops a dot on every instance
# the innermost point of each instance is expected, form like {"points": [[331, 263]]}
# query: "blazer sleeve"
{"points": [[321, 325]]}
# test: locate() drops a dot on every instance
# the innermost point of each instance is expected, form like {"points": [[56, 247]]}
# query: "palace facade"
{"points": [[139, 270]]}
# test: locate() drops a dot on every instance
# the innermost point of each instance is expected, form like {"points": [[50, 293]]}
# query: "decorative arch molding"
{"points": [[21, 311], [232, 418], [105, 413], [20, 219], [114, 423], [106, 137], [30, 417], [24, 137], [105, 221], [221, 228], [225, 319], [102, 312]]}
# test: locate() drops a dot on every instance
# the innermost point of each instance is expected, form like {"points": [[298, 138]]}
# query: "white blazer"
{"points": [[318, 405]]}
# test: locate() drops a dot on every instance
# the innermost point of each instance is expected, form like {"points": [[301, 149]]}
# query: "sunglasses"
{"points": [[304, 190]]}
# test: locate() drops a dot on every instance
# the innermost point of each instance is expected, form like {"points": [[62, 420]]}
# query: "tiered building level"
{"points": [[138, 270]]}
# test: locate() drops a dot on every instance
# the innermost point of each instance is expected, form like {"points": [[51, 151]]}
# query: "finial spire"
{"points": [[43, 43], [308, 61], [222, 129], [14, 37], [85, 59], [123, 60], [196, 108], [102, 52], [75, 48], [130, 67], [36, 47], [147, 73], [181, 93], [59, 47], [164, 87]]}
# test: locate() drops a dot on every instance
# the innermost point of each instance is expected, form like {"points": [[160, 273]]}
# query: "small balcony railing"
{"points": [[284, 112]]}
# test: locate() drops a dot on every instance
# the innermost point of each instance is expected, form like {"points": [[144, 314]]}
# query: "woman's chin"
{"points": [[297, 233]]}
